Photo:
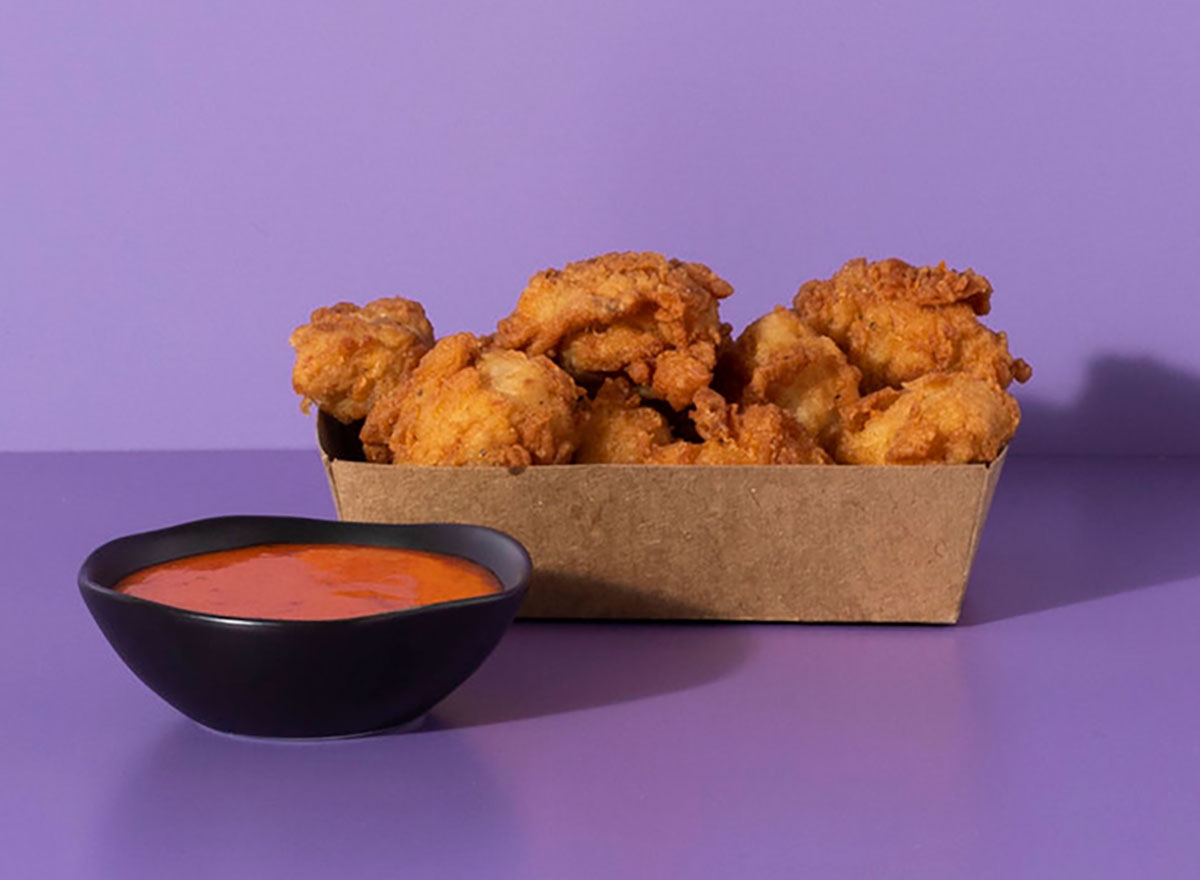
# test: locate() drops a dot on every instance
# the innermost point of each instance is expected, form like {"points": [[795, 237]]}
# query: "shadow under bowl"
{"points": [[303, 678]]}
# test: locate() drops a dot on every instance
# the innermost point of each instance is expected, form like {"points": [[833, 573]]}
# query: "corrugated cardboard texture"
{"points": [[786, 543]]}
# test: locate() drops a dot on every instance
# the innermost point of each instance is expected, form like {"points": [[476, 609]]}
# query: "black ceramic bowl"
{"points": [[303, 678]]}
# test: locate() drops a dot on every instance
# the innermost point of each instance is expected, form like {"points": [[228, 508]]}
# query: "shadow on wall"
{"points": [[1064, 530], [1129, 406]]}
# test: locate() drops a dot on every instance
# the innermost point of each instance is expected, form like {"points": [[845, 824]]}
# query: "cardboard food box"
{"points": [[769, 543]]}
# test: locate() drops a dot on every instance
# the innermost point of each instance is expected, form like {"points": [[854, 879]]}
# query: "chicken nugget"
{"points": [[757, 434], [620, 429], [466, 404], [951, 418], [897, 322], [779, 360], [640, 315], [349, 357]]}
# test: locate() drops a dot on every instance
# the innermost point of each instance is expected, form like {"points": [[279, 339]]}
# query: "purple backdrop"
{"points": [[180, 183]]}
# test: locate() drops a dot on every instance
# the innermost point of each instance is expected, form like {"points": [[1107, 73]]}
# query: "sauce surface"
{"points": [[309, 581]]}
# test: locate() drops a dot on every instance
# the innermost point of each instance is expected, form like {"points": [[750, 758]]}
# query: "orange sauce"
{"points": [[310, 581]]}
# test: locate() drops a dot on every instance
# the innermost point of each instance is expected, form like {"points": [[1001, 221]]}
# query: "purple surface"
{"points": [[1051, 735], [183, 182]]}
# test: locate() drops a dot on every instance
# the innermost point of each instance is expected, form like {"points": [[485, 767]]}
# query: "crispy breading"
{"points": [[897, 322], [349, 357], [622, 430], [640, 315], [469, 405], [376, 431], [756, 434], [668, 384], [619, 428], [951, 418], [780, 360]]}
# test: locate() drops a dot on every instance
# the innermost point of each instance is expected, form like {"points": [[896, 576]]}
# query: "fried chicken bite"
{"points": [[466, 404], [897, 322], [757, 434], [623, 430], [349, 357], [639, 315], [951, 418], [620, 429], [779, 360]]}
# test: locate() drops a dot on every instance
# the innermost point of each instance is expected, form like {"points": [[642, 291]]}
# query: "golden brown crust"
{"points": [[349, 357], [779, 360], [469, 405], [376, 432], [642, 315], [756, 434], [897, 322], [894, 279], [620, 429], [643, 333], [950, 418]]}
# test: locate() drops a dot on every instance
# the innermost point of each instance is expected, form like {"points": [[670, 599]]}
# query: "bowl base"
{"points": [[404, 727]]}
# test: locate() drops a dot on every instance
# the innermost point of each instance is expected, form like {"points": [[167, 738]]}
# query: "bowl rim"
{"points": [[88, 585]]}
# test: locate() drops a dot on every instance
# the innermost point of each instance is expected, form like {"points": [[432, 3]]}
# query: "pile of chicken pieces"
{"points": [[623, 359]]}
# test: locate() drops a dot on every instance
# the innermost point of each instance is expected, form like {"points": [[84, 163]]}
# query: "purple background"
{"points": [[181, 183]]}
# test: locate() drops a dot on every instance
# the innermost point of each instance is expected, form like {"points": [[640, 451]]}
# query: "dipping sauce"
{"points": [[310, 581]]}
